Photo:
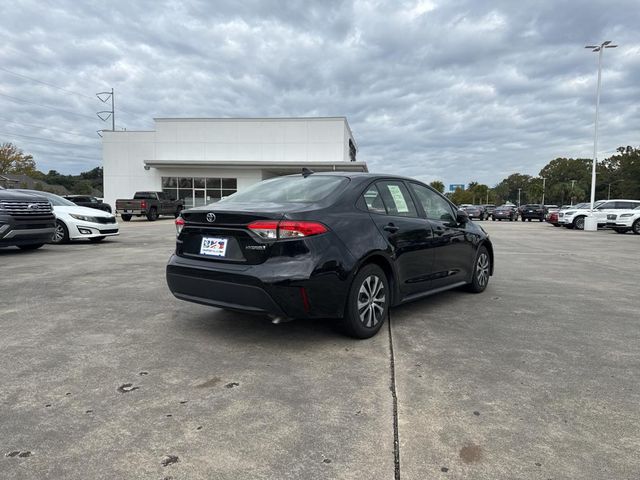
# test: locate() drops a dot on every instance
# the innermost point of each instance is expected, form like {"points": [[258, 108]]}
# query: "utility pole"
{"points": [[544, 182], [519, 196], [105, 114], [573, 182]]}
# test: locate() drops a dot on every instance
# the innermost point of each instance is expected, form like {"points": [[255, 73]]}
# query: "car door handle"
{"points": [[391, 228]]}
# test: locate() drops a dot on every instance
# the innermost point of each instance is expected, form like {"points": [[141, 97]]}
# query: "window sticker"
{"points": [[398, 198]]}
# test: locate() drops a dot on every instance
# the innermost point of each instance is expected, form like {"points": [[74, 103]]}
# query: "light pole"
{"points": [[591, 223], [544, 182], [519, 190], [573, 182]]}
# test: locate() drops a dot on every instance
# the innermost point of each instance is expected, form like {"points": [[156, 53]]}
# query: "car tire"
{"points": [[481, 271], [511, 219], [125, 218], [493, 219], [33, 246], [578, 223], [61, 233], [369, 291], [152, 216], [636, 227], [96, 239]]}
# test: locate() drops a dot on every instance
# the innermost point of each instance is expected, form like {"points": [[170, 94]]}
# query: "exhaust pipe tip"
{"points": [[276, 320]]}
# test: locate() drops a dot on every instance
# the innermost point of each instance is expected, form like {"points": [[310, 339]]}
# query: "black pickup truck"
{"points": [[150, 205], [89, 202], [26, 221]]}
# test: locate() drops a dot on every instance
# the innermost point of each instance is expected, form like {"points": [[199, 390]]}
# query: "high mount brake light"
{"points": [[179, 224], [273, 230]]}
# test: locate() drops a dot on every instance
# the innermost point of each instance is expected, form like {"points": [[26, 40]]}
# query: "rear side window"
{"points": [[626, 205], [373, 200], [436, 207], [397, 199], [292, 189]]}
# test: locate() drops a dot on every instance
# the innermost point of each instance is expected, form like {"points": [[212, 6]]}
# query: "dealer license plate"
{"points": [[214, 247]]}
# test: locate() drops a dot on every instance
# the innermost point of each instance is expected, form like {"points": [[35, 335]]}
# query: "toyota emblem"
{"points": [[211, 217]]}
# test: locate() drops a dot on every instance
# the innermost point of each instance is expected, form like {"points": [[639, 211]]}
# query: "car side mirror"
{"points": [[462, 217]]}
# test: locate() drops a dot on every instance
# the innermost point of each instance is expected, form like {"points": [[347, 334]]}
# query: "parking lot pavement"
{"points": [[106, 375], [535, 378]]}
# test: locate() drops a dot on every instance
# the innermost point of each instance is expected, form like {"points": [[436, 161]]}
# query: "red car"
{"points": [[552, 218]]}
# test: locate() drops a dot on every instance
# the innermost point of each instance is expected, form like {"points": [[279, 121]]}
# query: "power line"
{"points": [[43, 139], [42, 127], [47, 84], [20, 100]]}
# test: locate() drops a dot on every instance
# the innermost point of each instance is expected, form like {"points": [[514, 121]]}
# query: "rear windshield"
{"points": [[296, 189], [145, 196]]}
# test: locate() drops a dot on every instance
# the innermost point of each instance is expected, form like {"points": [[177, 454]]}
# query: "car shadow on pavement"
{"points": [[249, 328]]}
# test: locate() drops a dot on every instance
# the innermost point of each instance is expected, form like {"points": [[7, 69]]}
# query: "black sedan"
{"points": [[330, 245], [533, 211], [89, 202]]}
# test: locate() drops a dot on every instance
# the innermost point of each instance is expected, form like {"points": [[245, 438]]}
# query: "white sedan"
{"points": [[76, 223]]}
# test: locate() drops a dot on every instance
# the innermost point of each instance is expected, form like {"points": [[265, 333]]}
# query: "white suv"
{"points": [[574, 218], [625, 220]]}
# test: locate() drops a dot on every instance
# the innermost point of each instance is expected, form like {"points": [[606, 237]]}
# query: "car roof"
{"points": [[361, 176]]}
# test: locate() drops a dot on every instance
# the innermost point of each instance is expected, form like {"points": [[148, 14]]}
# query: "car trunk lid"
{"points": [[220, 233]]}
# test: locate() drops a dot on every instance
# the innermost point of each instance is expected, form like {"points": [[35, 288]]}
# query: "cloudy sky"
{"points": [[455, 90]]}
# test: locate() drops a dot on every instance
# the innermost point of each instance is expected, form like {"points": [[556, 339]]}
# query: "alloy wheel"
{"points": [[482, 269], [371, 301], [58, 233]]}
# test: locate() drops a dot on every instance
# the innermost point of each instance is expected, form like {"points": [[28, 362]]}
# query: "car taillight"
{"points": [[143, 204], [273, 230], [179, 225], [290, 229], [265, 229]]}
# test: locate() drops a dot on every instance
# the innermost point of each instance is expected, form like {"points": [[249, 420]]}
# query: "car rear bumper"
{"points": [[268, 288]]}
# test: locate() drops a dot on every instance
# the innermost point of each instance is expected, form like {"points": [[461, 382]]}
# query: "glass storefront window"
{"points": [[229, 183], [198, 191]]}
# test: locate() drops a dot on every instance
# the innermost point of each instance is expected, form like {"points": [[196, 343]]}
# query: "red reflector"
{"points": [[179, 224], [305, 299], [289, 229]]}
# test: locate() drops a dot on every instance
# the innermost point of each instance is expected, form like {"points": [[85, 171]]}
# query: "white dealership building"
{"points": [[204, 159]]}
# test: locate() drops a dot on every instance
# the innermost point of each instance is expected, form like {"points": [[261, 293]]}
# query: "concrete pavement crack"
{"points": [[394, 395]]}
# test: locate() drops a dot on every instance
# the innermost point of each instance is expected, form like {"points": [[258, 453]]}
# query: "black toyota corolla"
{"points": [[327, 245]]}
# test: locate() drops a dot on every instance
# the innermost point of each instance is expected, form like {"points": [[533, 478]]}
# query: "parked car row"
{"points": [[30, 218], [621, 215]]}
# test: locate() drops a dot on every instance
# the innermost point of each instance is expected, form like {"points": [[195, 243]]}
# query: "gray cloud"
{"points": [[458, 90]]}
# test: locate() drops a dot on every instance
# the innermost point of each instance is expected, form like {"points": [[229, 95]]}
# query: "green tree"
{"points": [[438, 185], [13, 160], [507, 189]]}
